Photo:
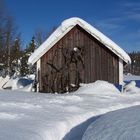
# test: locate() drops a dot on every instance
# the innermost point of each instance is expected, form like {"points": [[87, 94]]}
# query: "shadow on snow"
{"points": [[77, 132]]}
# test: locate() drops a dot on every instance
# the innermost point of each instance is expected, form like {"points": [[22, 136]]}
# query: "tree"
{"points": [[2, 36], [9, 33], [41, 35], [25, 69], [9, 41], [32, 46], [134, 68], [15, 56]]}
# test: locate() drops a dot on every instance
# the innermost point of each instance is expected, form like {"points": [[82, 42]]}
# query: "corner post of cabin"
{"points": [[120, 71], [38, 74]]}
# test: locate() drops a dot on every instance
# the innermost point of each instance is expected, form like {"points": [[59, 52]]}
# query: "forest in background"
{"points": [[14, 55], [134, 67]]}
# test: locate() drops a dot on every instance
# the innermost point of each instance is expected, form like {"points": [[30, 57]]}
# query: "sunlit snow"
{"points": [[38, 116], [117, 125]]}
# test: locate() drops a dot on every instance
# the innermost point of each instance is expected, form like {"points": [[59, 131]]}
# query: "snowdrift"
{"points": [[19, 83], [118, 125], [37, 116], [3, 81]]}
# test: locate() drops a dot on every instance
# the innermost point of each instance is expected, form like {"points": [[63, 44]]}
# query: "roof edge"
{"points": [[65, 27]]}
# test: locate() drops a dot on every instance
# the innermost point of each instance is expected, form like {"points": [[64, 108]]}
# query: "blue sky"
{"points": [[118, 19]]}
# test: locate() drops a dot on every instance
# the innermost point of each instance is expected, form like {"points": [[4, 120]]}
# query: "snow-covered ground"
{"points": [[17, 83], [130, 77], [122, 124], [3, 81], [37, 116]]}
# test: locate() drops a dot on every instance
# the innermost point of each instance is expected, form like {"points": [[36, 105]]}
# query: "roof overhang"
{"points": [[65, 27]]}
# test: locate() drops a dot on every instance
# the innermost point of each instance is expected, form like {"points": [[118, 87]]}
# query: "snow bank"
{"points": [[132, 83], [37, 116], [3, 81], [118, 125], [130, 77], [21, 83], [131, 88], [98, 86]]}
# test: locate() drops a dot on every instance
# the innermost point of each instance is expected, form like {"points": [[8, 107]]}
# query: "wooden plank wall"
{"points": [[99, 62]]}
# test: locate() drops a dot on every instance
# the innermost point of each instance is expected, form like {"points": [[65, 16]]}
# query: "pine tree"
{"points": [[15, 56], [25, 69], [32, 46], [134, 68], [8, 32]]}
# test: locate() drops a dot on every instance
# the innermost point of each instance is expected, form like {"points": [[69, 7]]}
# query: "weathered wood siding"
{"points": [[99, 62]]}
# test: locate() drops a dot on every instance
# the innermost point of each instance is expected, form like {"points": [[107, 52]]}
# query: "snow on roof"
{"points": [[65, 27]]}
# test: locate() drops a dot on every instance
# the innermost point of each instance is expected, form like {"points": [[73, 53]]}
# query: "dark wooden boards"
{"points": [[99, 62]]}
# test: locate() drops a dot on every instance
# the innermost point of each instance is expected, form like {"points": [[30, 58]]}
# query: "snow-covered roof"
{"points": [[65, 27]]}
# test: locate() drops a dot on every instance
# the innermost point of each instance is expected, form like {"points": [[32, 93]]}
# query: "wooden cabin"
{"points": [[76, 52]]}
